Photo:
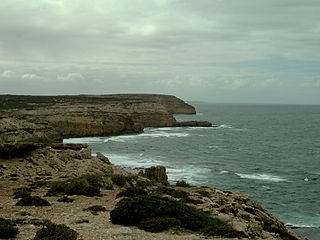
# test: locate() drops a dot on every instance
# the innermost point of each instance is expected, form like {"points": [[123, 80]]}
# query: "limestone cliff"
{"points": [[96, 115]]}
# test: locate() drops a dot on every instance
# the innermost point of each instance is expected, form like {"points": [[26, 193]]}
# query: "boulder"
{"points": [[102, 157], [157, 173]]}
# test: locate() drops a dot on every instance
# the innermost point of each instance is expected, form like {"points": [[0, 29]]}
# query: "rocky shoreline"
{"points": [[35, 162]]}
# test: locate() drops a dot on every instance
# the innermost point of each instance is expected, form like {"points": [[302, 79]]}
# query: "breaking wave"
{"points": [[262, 177]]}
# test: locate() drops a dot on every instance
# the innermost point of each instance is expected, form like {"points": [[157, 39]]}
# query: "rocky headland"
{"points": [[44, 182]]}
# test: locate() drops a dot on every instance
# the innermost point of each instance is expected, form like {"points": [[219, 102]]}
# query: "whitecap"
{"points": [[223, 172], [262, 177], [225, 126]]}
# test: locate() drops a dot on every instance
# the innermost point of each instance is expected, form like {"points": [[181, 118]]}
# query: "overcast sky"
{"points": [[255, 51]]}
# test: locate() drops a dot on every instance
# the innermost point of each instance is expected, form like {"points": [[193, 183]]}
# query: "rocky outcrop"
{"points": [[96, 115], [157, 174], [13, 130], [50, 161], [193, 124]]}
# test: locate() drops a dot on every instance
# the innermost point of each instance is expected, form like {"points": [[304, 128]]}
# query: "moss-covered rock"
{"points": [[131, 211], [51, 231], [33, 201]]}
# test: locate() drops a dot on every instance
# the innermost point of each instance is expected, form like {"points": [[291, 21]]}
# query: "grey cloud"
{"points": [[190, 48]]}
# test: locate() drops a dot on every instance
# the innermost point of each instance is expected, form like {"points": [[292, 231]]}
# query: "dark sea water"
{"points": [[271, 152]]}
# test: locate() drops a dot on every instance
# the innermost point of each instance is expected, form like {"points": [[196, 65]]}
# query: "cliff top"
{"points": [[8, 102]]}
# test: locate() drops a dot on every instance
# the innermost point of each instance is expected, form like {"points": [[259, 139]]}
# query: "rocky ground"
{"points": [[57, 162]]}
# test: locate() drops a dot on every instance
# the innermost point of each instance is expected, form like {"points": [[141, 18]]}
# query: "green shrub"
{"points": [[131, 211], [204, 193], [191, 200], [38, 184], [33, 201], [120, 180], [25, 213], [86, 186], [8, 229], [21, 193], [173, 193], [95, 209], [225, 231], [182, 183], [131, 192], [65, 199], [51, 231], [158, 224]]}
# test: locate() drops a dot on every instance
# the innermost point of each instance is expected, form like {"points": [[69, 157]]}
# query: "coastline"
{"points": [[35, 130]]}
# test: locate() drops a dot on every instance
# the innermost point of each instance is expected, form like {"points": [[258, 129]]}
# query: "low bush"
{"points": [[25, 213], [158, 224], [95, 209], [86, 186], [8, 229], [51, 231], [120, 180], [173, 193], [225, 231], [191, 200], [182, 183], [21, 193], [38, 184], [33, 201], [131, 211], [65, 199], [204, 193], [131, 192]]}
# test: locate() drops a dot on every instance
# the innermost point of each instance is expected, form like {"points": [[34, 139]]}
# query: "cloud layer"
{"points": [[194, 49]]}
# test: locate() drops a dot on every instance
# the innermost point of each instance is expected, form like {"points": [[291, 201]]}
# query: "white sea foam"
{"points": [[149, 134], [223, 172], [225, 126], [192, 174], [198, 128], [262, 177], [297, 225], [83, 140], [134, 160]]}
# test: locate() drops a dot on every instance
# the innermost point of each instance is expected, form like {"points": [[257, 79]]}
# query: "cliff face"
{"points": [[96, 115]]}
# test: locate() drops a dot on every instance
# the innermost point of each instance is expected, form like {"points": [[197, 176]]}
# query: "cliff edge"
{"points": [[95, 115]]}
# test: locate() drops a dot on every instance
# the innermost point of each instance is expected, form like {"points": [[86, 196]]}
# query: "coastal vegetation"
{"points": [[8, 229], [88, 185], [52, 231], [134, 212], [33, 201]]}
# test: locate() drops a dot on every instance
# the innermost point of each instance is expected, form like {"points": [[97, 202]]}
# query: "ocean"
{"points": [[271, 152]]}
